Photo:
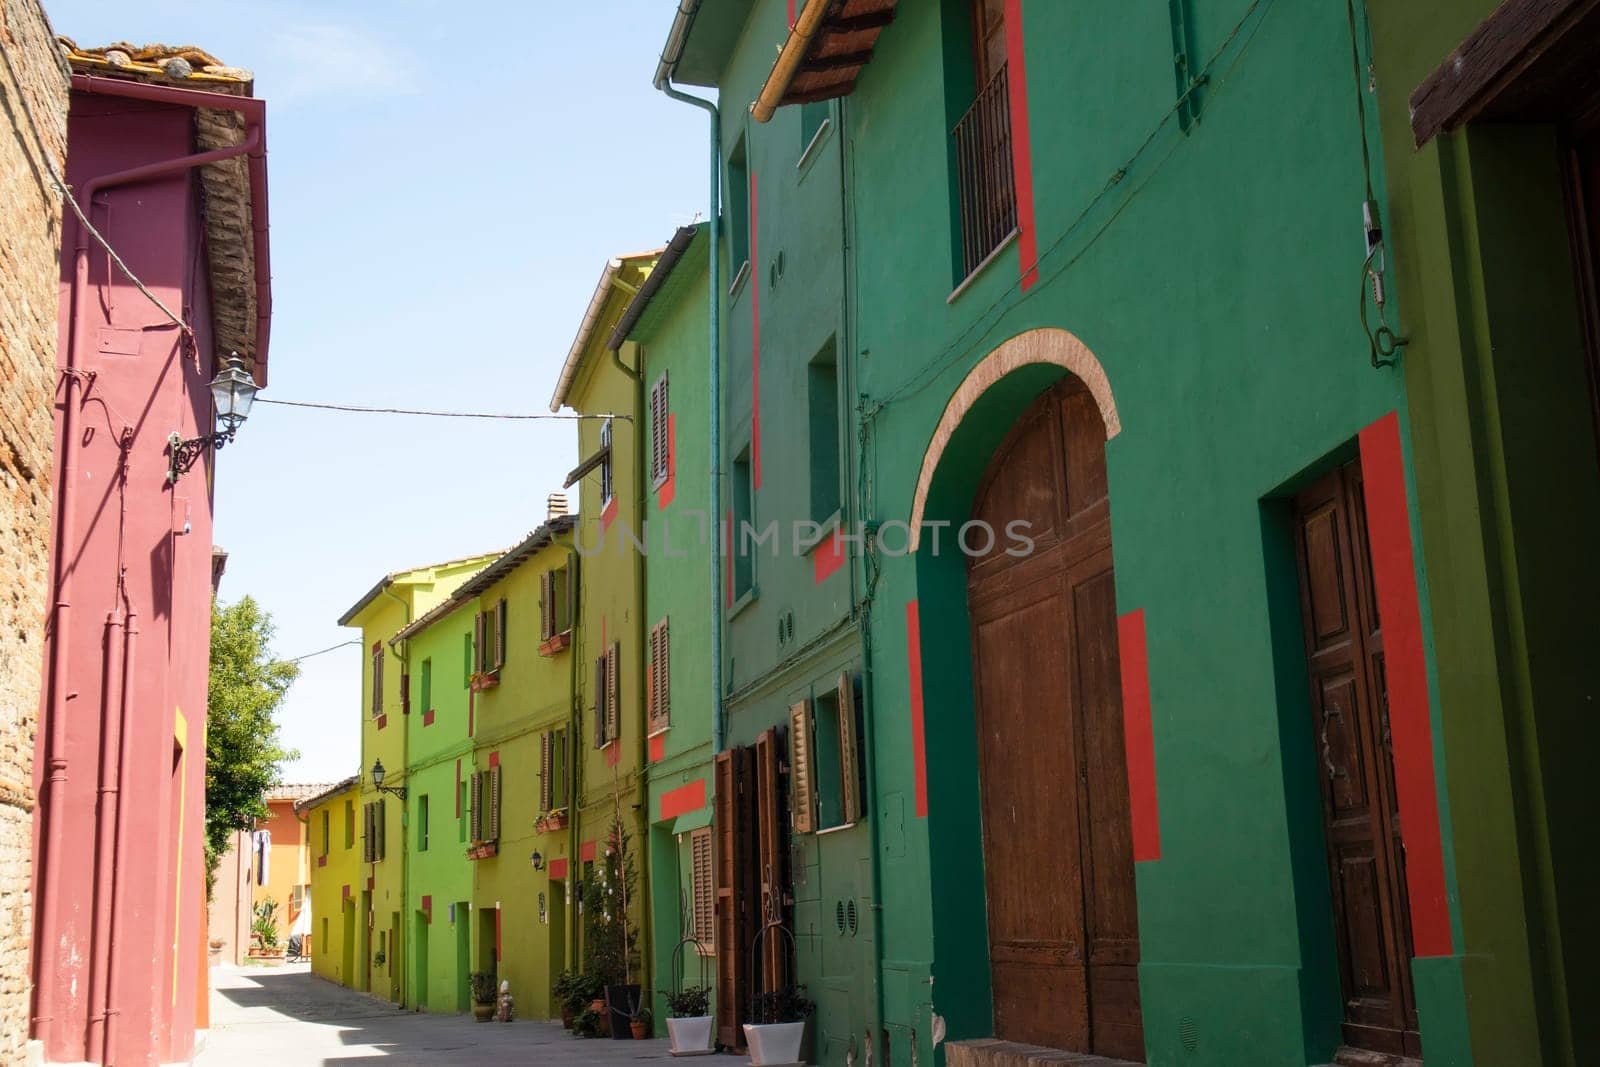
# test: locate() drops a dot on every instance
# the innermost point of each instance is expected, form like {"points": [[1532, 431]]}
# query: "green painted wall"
{"points": [[1509, 510]]}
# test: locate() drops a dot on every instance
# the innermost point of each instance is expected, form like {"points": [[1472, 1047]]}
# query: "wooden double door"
{"points": [[1057, 838], [1350, 723]]}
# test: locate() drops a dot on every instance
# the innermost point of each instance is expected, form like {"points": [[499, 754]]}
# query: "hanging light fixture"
{"points": [[377, 780], [233, 390]]}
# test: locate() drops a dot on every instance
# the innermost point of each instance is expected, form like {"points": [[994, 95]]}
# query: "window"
{"points": [[981, 148], [702, 892], [556, 592], [824, 757], [372, 827], [489, 639], [738, 204], [349, 824], [377, 678], [606, 485], [813, 117], [660, 677], [823, 393], [552, 770], [606, 703], [422, 823], [742, 555], [485, 817], [327, 817], [427, 685], [660, 457]]}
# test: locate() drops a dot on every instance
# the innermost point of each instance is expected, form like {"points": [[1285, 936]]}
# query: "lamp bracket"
{"points": [[184, 453]]}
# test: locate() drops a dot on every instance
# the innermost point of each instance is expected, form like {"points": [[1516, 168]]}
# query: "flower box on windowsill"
{"points": [[550, 822], [485, 680], [482, 850], [559, 643]]}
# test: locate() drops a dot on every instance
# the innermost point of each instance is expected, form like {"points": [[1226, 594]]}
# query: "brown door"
{"points": [[1057, 840], [736, 868], [1349, 707]]}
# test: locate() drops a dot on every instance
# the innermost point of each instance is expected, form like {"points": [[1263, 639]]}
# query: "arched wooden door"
{"points": [[1057, 839]]}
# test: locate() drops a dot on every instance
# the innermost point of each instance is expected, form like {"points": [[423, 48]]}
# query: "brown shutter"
{"points": [[660, 677], [599, 701], [613, 704], [494, 805], [366, 833], [802, 771], [405, 692], [737, 903], [572, 592], [772, 848], [475, 815], [703, 907], [547, 605], [658, 431], [477, 643], [377, 679], [500, 634], [849, 752], [547, 787], [382, 826]]}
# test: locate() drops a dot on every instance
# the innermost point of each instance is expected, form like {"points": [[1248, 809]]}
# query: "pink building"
{"points": [[166, 154]]}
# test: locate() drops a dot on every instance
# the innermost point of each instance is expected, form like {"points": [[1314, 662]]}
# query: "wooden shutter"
{"points": [[367, 839], [500, 634], [547, 605], [737, 903], [475, 810], [405, 692], [702, 898], [773, 850], [572, 592], [377, 679], [477, 642], [600, 702], [547, 786], [658, 431], [802, 770], [382, 826], [660, 677], [849, 753], [494, 805], [613, 703]]}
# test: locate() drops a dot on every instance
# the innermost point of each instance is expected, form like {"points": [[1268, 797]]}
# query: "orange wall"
{"points": [[288, 867]]}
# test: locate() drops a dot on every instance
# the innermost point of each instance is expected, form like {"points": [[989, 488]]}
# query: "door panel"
{"points": [[1057, 836]]}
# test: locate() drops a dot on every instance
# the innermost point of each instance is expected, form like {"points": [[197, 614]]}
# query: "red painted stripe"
{"points": [[558, 868], [586, 852], [684, 799], [494, 758], [1395, 576], [827, 558], [1021, 145], [322, 861], [383, 720], [919, 762], [1138, 736], [791, 14], [658, 748], [608, 514], [613, 753], [370, 881], [755, 344], [669, 488], [345, 891], [427, 718], [427, 903]]}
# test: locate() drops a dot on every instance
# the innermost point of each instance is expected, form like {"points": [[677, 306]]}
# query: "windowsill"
{"points": [[744, 600], [559, 643], [485, 680], [836, 829], [826, 529], [966, 282], [803, 164], [740, 276], [658, 731]]}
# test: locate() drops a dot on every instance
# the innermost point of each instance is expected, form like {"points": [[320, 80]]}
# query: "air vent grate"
{"points": [[1188, 1034]]}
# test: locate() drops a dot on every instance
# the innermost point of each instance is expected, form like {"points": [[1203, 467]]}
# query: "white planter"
{"points": [[690, 1035], [775, 1042]]}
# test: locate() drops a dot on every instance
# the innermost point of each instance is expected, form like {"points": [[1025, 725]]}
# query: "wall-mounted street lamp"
{"points": [[377, 782], [537, 859], [232, 393]]}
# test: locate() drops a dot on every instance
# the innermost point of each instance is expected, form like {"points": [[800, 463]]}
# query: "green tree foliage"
{"points": [[242, 751]]}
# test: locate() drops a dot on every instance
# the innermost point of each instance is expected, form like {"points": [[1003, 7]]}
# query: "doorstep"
{"points": [[992, 1052]]}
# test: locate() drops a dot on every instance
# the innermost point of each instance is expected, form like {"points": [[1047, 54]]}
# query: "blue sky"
{"points": [[447, 181]]}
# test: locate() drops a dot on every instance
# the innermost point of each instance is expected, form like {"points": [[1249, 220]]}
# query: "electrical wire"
{"points": [[66, 194], [322, 651], [359, 409]]}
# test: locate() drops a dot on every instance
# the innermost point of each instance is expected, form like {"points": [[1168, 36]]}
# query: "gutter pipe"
{"points": [[60, 630], [670, 56], [790, 56], [405, 763]]}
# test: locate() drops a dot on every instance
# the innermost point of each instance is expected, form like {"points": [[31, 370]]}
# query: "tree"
{"points": [[243, 756]]}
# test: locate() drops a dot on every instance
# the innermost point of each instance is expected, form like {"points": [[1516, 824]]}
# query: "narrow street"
{"points": [[288, 1016]]}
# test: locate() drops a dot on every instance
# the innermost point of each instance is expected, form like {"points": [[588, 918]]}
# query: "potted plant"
{"points": [[587, 1024], [639, 1023], [572, 993], [779, 1027], [264, 929], [483, 990], [611, 939], [689, 1021]]}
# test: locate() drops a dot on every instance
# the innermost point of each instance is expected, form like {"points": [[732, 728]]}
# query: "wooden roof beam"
{"points": [[875, 20], [842, 61]]}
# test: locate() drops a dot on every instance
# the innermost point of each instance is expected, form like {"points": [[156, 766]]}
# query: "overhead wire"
{"points": [[364, 410]]}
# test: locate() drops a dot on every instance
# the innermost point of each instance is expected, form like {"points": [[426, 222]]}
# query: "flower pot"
{"points": [[690, 1035], [483, 1012], [640, 1028], [598, 1005], [775, 1042], [566, 1017], [621, 1001]]}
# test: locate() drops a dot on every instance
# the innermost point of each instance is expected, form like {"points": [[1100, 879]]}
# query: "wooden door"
{"points": [[1057, 837], [773, 958], [1361, 820], [1582, 159], [735, 889]]}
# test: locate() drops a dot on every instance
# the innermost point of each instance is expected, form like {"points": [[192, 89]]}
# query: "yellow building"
{"points": [[380, 893], [334, 857]]}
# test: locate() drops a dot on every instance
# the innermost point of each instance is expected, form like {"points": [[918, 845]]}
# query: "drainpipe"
{"points": [[640, 574], [405, 763], [663, 81], [118, 885], [111, 723], [56, 681]]}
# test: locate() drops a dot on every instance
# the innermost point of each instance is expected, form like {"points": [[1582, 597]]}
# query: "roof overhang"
{"points": [[609, 279], [829, 43], [670, 256], [702, 39]]}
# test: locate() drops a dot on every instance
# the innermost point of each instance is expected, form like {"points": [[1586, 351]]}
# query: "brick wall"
{"points": [[30, 240]]}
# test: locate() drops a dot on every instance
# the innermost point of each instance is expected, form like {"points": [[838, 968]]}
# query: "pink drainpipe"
{"points": [[102, 958]]}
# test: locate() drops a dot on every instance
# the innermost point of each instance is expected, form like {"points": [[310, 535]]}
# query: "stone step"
{"points": [[992, 1052]]}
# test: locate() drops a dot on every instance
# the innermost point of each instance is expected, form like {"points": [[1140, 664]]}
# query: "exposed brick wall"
{"points": [[30, 241]]}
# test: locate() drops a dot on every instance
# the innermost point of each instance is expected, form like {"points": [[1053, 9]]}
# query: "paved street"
{"points": [[287, 1016]]}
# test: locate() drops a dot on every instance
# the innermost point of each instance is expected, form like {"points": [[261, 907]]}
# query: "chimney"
{"points": [[556, 505]]}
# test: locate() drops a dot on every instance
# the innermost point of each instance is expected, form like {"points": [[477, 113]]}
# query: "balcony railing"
{"points": [[983, 167]]}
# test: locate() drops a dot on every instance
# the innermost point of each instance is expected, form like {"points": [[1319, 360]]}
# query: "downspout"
{"points": [[574, 764], [253, 146], [118, 885], [405, 764], [663, 82]]}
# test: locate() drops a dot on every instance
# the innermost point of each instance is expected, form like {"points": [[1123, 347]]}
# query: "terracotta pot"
{"points": [[598, 1005], [641, 1029], [483, 1012], [566, 1017]]}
